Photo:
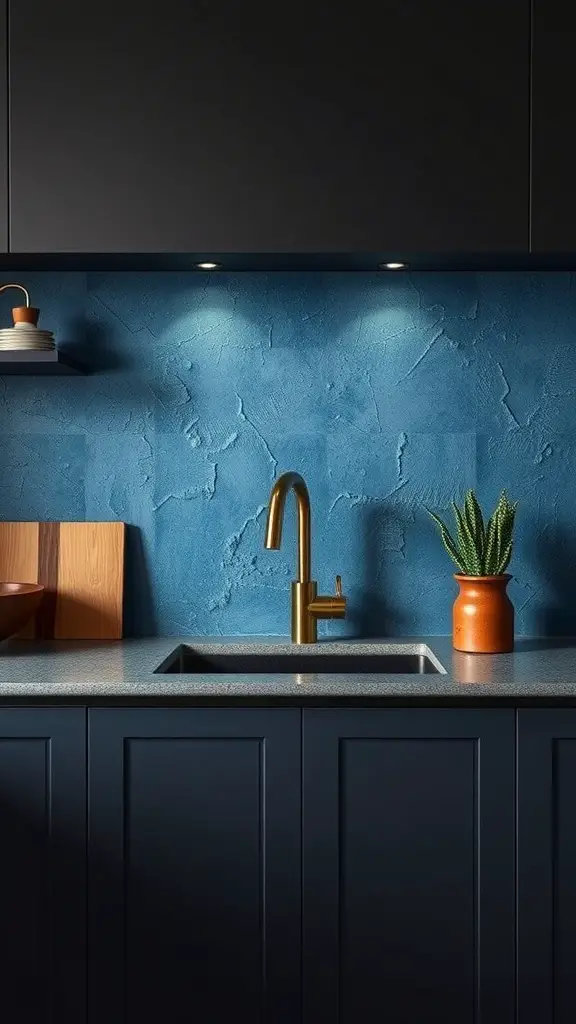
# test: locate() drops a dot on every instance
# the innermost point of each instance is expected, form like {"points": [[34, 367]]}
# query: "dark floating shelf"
{"points": [[40, 364]]}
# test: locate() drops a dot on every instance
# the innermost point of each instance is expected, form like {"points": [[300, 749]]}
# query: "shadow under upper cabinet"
{"points": [[188, 661]]}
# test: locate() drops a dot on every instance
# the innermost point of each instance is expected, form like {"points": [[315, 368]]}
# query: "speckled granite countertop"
{"points": [[123, 672]]}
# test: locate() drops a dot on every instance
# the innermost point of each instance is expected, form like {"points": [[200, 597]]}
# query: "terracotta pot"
{"points": [[483, 616]]}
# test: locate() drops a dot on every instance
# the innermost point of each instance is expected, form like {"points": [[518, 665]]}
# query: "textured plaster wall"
{"points": [[387, 392]]}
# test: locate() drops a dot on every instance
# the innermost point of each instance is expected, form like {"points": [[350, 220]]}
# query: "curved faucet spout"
{"points": [[285, 483], [307, 605]]}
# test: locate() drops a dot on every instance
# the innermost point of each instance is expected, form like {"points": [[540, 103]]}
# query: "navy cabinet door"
{"points": [[42, 864], [408, 828], [194, 866], [234, 126], [546, 866]]}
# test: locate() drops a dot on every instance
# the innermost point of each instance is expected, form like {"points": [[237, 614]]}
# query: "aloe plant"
{"points": [[479, 548]]}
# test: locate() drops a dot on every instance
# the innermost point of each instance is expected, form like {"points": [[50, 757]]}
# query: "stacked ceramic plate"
{"points": [[25, 337]]}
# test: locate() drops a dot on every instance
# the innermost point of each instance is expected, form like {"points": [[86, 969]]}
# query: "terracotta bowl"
{"points": [[18, 602]]}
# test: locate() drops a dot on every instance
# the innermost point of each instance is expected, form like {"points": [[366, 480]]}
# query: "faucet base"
{"points": [[304, 625]]}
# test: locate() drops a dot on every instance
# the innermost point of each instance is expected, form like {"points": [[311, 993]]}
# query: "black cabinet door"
{"points": [[194, 866], [3, 127], [546, 866], [252, 127], [553, 143], [408, 866], [42, 864]]}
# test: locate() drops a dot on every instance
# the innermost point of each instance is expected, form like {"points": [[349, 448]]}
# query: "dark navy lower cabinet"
{"points": [[194, 866], [404, 822], [42, 864], [547, 866], [408, 866]]}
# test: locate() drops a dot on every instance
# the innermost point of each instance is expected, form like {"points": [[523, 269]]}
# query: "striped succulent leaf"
{"points": [[491, 547], [504, 560], [480, 549], [475, 519], [447, 540], [502, 522], [469, 544]]}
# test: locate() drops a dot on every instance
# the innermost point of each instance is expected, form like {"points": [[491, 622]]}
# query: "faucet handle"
{"points": [[328, 606]]}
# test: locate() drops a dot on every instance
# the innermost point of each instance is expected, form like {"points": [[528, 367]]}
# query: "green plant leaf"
{"points": [[467, 543], [475, 521], [505, 512], [491, 547], [480, 549], [447, 540], [505, 560], [501, 536]]}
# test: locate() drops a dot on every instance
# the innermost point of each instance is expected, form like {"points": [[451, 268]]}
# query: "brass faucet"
{"points": [[307, 606]]}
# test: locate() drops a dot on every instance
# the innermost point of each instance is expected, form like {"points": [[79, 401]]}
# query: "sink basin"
{"points": [[408, 658]]}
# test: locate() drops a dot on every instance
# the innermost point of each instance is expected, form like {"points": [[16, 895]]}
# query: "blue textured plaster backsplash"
{"points": [[387, 391]]}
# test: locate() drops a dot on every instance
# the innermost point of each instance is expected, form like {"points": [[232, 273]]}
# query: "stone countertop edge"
{"points": [[82, 671]]}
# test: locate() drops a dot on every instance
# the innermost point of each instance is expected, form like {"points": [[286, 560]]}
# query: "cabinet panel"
{"points": [[408, 866], [309, 127], [553, 145], [3, 126], [42, 864], [546, 866], [194, 866]]}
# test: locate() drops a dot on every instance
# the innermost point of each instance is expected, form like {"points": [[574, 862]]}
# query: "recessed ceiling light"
{"points": [[393, 266], [208, 266]]}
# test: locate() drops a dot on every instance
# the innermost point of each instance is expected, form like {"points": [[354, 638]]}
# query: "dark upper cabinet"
{"points": [[546, 866], [194, 866], [249, 127], [408, 866], [3, 128], [42, 864], [553, 143]]}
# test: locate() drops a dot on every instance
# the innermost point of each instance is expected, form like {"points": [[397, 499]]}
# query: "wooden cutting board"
{"points": [[82, 567]]}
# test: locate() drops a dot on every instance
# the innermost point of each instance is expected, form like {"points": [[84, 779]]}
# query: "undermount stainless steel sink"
{"points": [[400, 659]]}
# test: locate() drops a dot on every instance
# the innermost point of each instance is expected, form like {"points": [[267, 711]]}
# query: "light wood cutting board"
{"points": [[82, 567]]}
